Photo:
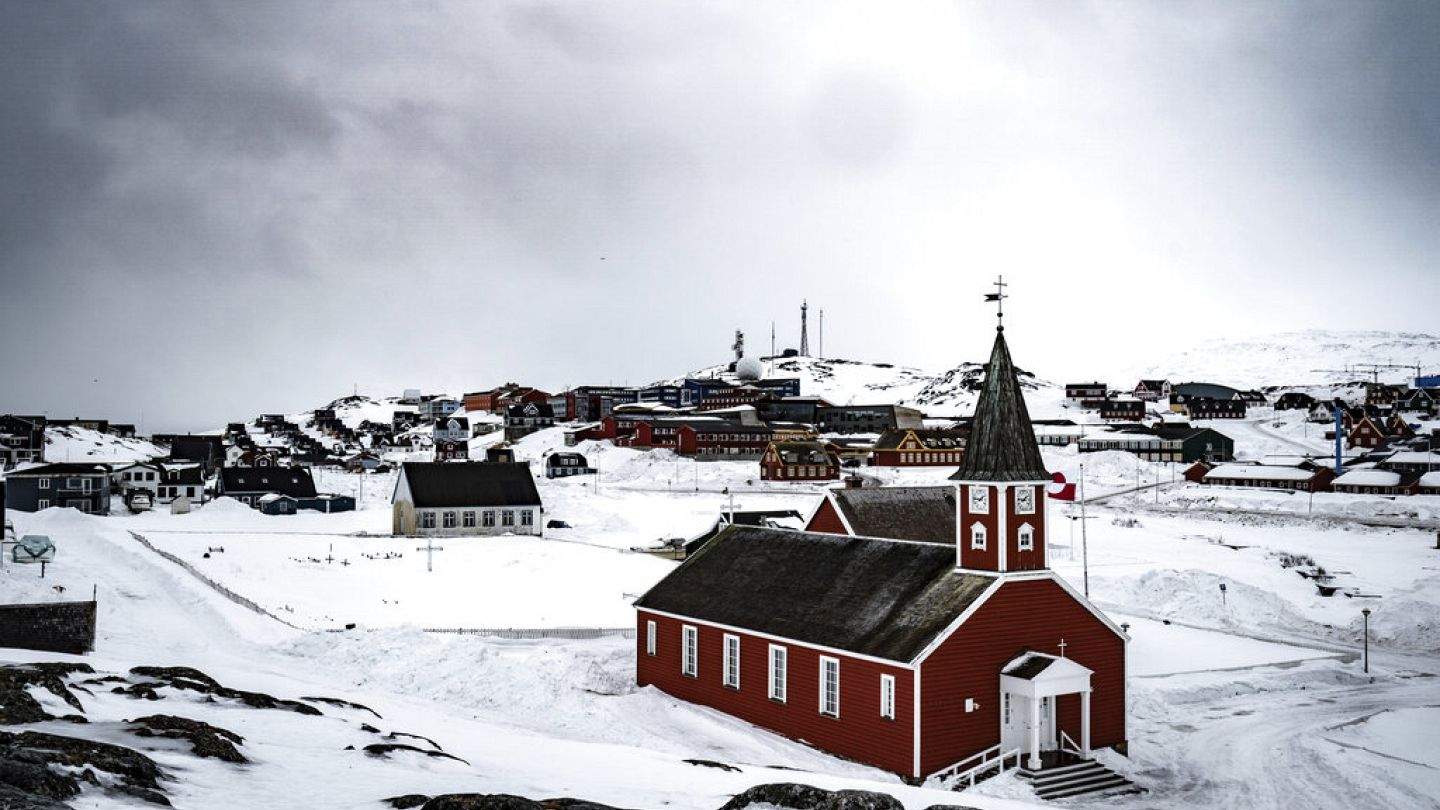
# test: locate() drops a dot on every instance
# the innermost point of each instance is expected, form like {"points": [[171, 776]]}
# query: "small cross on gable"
{"points": [[1062, 648]]}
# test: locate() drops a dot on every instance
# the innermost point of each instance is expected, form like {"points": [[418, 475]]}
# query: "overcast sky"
{"points": [[209, 210]]}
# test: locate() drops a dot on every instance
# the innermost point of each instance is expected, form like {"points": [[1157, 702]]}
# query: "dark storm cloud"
{"points": [[220, 208]]}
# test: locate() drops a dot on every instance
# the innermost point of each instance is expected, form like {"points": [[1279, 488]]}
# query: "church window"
{"points": [[469, 520], [887, 697], [1027, 537], [688, 658], [778, 657], [449, 520], [977, 537], [732, 661], [650, 637], [829, 686], [427, 520]]}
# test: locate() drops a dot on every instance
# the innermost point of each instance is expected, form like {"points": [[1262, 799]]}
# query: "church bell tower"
{"points": [[1001, 482]]}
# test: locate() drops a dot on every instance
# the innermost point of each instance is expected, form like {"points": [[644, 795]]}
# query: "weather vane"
{"points": [[999, 297]]}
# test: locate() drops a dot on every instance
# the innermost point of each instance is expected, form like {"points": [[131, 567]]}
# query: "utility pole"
{"points": [[772, 340], [804, 333]]}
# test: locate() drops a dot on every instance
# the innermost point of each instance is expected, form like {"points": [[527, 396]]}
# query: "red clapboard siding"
{"points": [[989, 558], [859, 733], [1028, 614], [1017, 560], [826, 520]]}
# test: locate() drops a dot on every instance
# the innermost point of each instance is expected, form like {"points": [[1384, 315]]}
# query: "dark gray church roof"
{"points": [[883, 598], [922, 514], [437, 484], [1002, 441]]}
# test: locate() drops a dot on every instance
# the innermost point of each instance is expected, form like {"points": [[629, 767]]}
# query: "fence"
{"points": [[217, 587], [573, 633]]}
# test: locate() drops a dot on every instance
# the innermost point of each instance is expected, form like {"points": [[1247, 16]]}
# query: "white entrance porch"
{"points": [[1029, 686]]}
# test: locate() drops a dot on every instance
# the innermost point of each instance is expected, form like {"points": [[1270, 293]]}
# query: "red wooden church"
{"points": [[915, 657]]}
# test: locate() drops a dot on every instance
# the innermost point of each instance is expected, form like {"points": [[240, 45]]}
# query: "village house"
{"points": [[163, 482], [1269, 476], [713, 394], [1116, 409], [499, 399], [85, 487], [1419, 403], [1369, 431], [1412, 461], [920, 448], [465, 499], [589, 403], [522, 419], [452, 438], [22, 440], [791, 409], [919, 514], [1164, 442], [564, 465], [1374, 481], [918, 658], [249, 484], [437, 407], [1294, 401], [867, 418], [1085, 395], [1152, 390], [1208, 408], [799, 461]]}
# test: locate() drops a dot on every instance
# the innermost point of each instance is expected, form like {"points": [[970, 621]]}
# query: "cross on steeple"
{"points": [[998, 297], [1062, 648]]}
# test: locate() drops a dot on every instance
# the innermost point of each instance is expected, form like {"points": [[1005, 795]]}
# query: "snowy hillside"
{"points": [[78, 444], [852, 382], [1298, 358]]}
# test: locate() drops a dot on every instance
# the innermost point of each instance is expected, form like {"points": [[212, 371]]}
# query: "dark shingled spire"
{"points": [[1002, 441]]}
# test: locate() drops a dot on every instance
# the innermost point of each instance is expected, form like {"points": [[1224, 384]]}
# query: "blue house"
{"points": [[77, 486]]}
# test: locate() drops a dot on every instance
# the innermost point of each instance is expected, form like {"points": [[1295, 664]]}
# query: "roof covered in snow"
{"points": [[883, 598], [1368, 478], [1272, 472]]}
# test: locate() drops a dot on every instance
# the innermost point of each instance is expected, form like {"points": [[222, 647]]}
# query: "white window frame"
{"points": [[887, 697], [730, 676], [44, 483], [1025, 511], [978, 536], [779, 672], [979, 500], [427, 520], [1027, 537], [650, 637], [689, 651], [827, 686], [43, 503]]}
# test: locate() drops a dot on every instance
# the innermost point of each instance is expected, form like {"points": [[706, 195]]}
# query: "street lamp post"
{"points": [[1366, 613]]}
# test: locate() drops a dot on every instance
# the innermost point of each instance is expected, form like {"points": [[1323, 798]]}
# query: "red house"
{"points": [[919, 658], [919, 448], [799, 461]]}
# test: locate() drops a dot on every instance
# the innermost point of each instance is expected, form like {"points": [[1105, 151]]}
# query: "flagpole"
{"points": [[1084, 539]]}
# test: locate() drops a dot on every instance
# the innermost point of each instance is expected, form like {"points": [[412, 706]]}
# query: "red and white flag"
{"points": [[1060, 489]]}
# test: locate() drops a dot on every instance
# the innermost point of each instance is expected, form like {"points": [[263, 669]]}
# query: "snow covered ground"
{"points": [[1252, 697]]}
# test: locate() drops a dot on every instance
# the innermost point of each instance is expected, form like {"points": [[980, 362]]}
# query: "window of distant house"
{"points": [[1027, 537], [449, 520], [732, 661], [977, 537], [43, 504], [887, 697], [688, 659], [830, 686], [487, 519], [469, 520], [427, 520], [650, 637], [777, 673], [527, 517], [507, 518]]}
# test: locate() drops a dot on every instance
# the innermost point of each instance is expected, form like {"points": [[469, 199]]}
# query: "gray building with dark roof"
{"points": [[471, 498]]}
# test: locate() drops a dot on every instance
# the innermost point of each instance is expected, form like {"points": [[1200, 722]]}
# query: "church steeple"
{"points": [[1001, 481]]}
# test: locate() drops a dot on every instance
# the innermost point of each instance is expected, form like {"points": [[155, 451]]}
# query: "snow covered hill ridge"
{"points": [[853, 382], [1309, 357]]}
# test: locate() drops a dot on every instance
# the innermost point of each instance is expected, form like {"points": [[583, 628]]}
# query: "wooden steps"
{"points": [[1076, 780]]}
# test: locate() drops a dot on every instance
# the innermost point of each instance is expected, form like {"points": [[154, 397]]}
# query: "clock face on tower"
{"points": [[979, 500], [1025, 501]]}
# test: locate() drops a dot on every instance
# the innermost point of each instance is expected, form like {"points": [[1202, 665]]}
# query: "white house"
{"points": [[468, 498]]}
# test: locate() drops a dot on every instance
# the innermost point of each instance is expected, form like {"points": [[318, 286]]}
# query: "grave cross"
{"points": [[429, 548]]}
